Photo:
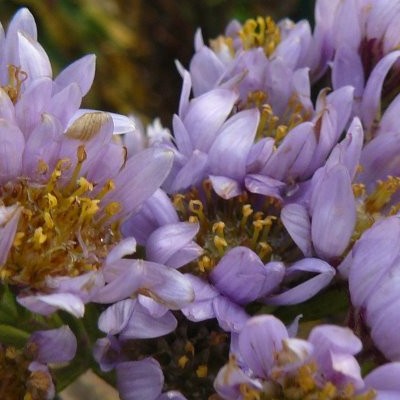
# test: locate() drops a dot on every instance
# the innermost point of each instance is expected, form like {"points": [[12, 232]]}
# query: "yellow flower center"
{"points": [[63, 230], [302, 383], [272, 125], [261, 32], [225, 224], [374, 206]]}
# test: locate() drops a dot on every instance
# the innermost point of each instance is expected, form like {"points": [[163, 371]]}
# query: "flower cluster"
{"points": [[182, 261]]}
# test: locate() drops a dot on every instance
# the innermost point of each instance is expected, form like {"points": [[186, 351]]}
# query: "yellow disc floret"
{"points": [[225, 224], [63, 230]]}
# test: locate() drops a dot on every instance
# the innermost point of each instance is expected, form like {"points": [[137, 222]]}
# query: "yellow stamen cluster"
{"points": [[302, 383], [272, 125], [261, 32], [225, 224], [63, 230], [16, 78], [16, 381], [374, 206]]}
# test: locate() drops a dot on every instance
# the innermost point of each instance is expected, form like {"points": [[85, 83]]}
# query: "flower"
{"points": [[62, 212], [28, 90], [268, 363], [25, 371]]}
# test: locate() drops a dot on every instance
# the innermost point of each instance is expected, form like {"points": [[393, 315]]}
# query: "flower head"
{"points": [[24, 371], [63, 212]]}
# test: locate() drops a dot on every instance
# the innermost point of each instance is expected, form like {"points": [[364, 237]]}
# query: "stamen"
{"points": [[262, 32], [62, 230], [382, 194], [202, 371]]}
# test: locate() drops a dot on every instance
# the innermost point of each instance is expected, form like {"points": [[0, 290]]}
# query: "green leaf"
{"points": [[332, 302], [13, 336]]}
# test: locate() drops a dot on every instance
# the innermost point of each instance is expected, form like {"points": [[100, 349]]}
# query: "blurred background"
{"points": [[136, 43]]}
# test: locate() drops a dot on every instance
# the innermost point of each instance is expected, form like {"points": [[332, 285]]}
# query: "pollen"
{"points": [[271, 124], [16, 77], [225, 224], [260, 32], [64, 229], [202, 371]]}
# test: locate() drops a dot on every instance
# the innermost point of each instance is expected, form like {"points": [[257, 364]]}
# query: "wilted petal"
{"points": [[55, 345], [139, 379]]}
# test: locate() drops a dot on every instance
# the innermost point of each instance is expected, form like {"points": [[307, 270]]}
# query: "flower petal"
{"points": [[139, 379]]}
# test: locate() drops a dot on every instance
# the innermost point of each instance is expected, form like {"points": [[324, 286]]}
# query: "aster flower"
{"points": [[28, 90], [25, 372], [273, 47], [62, 207], [268, 363]]}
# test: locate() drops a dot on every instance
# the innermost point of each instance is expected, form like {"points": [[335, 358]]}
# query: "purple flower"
{"points": [[261, 44], [267, 362], [25, 371], [64, 197]]}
